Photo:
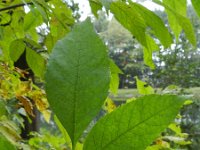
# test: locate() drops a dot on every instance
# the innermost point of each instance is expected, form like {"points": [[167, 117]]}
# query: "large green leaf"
{"points": [[77, 78], [157, 25], [130, 19], [196, 5], [134, 125], [35, 61]]}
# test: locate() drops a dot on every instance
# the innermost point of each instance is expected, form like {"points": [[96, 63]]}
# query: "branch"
{"points": [[15, 6], [18, 5]]}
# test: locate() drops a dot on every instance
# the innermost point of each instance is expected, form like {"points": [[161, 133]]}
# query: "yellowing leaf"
{"points": [[26, 103], [109, 105], [47, 115]]}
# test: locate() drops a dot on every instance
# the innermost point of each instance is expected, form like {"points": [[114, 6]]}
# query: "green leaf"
{"points": [[32, 19], [106, 3], [77, 78], [196, 5], [2, 108], [95, 6], [41, 8], [178, 7], [5, 144], [143, 87], [63, 131], [182, 21], [157, 25], [16, 49], [130, 19], [148, 52], [134, 125], [36, 62], [115, 71]]}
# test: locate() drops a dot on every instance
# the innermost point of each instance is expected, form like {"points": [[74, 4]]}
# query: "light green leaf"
{"points": [[32, 19], [130, 19], [182, 21], [196, 5], [16, 49], [77, 78], [95, 6], [63, 131], [143, 87], [134, 125], [5, 144], [157, 25], [115, 71], [178, 7], [41, 8], [148, 52], [36, 62]]}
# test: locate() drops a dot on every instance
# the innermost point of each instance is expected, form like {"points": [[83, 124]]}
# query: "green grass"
{"points": [[124, 94]]}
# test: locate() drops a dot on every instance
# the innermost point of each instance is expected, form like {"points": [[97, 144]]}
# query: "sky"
{"points": [[85, 8]]}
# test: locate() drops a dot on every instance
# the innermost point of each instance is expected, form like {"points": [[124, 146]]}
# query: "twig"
{"points": [[15, 6]]}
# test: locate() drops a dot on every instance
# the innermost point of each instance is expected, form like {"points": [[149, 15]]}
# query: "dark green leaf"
{"points": [[16, 49], [134, 125], [77, 78], [36, 62]]}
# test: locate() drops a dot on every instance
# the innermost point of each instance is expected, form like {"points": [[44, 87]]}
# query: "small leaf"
{"points": [[115, 71], [16, 49], [196, 5], [143, 87], [134, 125], [148, 52], [36, 62], [109, 105], [79, 67]]}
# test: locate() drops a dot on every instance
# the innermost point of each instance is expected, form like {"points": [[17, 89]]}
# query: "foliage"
{"points": [[80, 75]]}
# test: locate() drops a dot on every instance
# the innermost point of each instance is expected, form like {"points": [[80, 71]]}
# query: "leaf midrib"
{"points": [[131, 128]]}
